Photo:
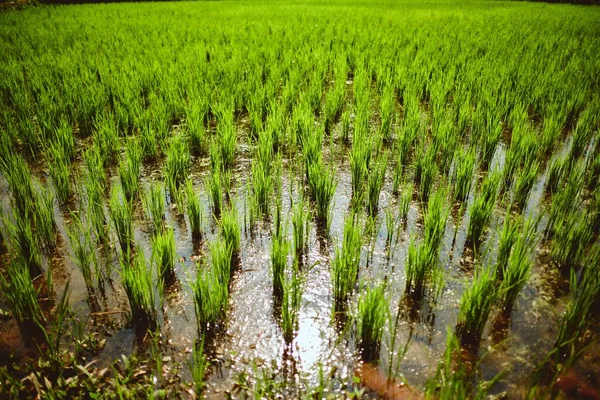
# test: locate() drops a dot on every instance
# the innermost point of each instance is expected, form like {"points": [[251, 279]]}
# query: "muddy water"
{"points": [[253, 338]]}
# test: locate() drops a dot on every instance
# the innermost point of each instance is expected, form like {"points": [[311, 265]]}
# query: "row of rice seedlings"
{"points": [[345, 264], [137, 280], [572, 233], [194, 211], [60, 155], [482, 207], [508, 237], [372, 315], [230, 229], [300, 220], [518, 267], [464, 163], [154, 205], [211, 287], [121, 215], [129, 170], [556, 172], [163, 255], [291, 301], [375, 183], [475, 307], [83, 250], [567, 199], [22, 298]]}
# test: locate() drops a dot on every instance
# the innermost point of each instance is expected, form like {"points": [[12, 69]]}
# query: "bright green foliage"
{"points": [[154, 205], [163, 255], [373, 312], [137, 281], [344, 266], [194, 211]]}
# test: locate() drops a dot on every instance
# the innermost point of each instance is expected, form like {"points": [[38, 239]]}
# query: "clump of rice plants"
{"points": [[464, 162], [375, 183], [24, 243], [45, 224], [405, 199], [230, 229], [194, 211], [279, 252], [227, 136], [210, 289], [300, 219], [435, 220], [163, 255], [524, 183], [129, 170], [214, 183], [137, 281], [420, 268], [22, 298], [508, 236], [95, 208], [482, 207], [425, 173], [290, 306], [475, 307], [262, 184], [196, 115], [83, 250], [345, 264], [360, 159], [60, 172], [451, 377], [373, 312], [121, 215], [177, 164], [516, 273], [154, 205], [199, 366], [346, 125], [322, 187], [17, 174], [572, 234]]}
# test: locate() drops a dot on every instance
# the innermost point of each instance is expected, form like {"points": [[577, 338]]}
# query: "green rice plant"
{"points": [[150, 143], [95, 165], [279, 252], [375, 183], [214, 183], [398, 177], [300, 220], [524, 183], [425, 174], [209, 292], [262, 184], [137, 281], [177, 164], [572, 234], [322, 184], [435, 220], [24, 243], [584, 294], [420, 268], [221, 255], [226, 135], [163, 255], [199, 366], [22, 298], [129, 171], [17, 174], [83, 251], [290, 307], [556, 171], [154, 205], [373, 312], [489, 143], [121, 215], [566, 200], [482, 207], [198, 136], [517, 272], [345, 264], [475, 307], [63, 140], [346, 125], [45, 224], [508, 237], [230, 229], [387, 112], [405, 199], [451, 377], [360, 159], [95, 208], [60, 172], [194, 211], [464, 162]]}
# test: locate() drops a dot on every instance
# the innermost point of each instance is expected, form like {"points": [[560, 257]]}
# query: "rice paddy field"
{"points": [[344, 199]]}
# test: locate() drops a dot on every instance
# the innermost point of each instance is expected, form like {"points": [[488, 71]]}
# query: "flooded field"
{"points": [[377, 205]]}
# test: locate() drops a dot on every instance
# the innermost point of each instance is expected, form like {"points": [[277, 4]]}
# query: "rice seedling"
{"points": [[300, 220], [420, 268], [566, 200], [556, 170], [373, 312], [154, 205], [572, 234], [405, 200], [24, 243], [346, 125], [345, 264], [214, 183], [262, 184], [95, 165], [209, 290], [199, 366], [22, 298], [279, 252], [197, 131], [322, 184], [227, 137], [375, 183], [451, 377], [482, 207], [230, 229], [194, 211], [360, 159], [435, 220], [524, 184], [17, 174], [464, 162], [45, 224], [60, 173], [425, 174], [290, 307], [508, 236], [137, 281], [177, 164], [475, 307], [83, 251], [121, 215], [163, 255]]}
